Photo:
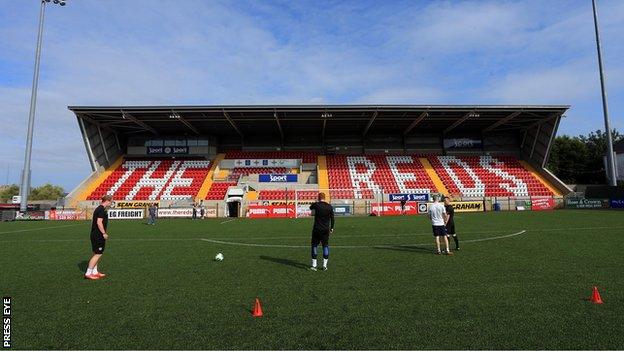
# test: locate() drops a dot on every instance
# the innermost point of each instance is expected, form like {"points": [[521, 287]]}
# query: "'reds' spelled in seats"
{"points": [[154, 179], [486, 175]]}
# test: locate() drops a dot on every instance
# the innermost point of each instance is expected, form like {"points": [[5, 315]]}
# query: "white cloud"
{"points": [[194, 52], [455, 27], [571, 82]]}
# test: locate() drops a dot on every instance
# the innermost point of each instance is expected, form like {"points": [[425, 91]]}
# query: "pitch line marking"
{"points": [[86, 240], [354, 246], [43, 228], [413, 234], [261, 245], [282, 237], [228, 221]]}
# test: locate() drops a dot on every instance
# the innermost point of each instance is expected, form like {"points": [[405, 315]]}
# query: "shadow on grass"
{"points": [[284, 261], [82, 265], [417, 249]]}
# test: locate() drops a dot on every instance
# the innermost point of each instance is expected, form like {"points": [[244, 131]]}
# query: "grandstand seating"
{"points": [[360, 177], [154, 179], [305, 156], [350, 177], [487, 175], [218, 190]]}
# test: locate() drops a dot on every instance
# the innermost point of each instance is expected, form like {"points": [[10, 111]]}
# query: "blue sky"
{"points": [[140, 52]]}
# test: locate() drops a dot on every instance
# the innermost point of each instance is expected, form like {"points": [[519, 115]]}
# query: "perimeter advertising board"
{"points": [[271, 211], [617, 203], [468, 206], [342, 210], [175, 212], [185, 212], [542, 203], [30, 216], [581, 202], [125, 214], [393, 208], [66, 215]]}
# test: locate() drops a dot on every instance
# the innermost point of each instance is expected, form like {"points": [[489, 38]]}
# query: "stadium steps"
{"points": [[434, 176], [207, 184], [323, 177], [90, 184], [539, 177], [221, 174], [251, 195]]}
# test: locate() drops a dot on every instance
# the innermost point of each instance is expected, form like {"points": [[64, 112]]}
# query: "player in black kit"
{"points": [[450, 224], [98, 237], [323, 226]]}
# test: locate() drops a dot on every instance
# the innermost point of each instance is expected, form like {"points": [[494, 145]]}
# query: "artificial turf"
{"points": [[385, 289]]}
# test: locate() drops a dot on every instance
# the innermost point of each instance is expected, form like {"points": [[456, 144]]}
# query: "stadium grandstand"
{"points": [[215, 155]]}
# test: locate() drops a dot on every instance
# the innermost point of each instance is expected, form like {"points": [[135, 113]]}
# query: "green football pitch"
{"points": [[520, 280]]}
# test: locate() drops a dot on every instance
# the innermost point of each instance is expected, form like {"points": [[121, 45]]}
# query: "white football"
{"points": [[219, 257]]}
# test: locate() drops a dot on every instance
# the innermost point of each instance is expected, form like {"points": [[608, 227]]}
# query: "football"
{"points": [[219, 257]]}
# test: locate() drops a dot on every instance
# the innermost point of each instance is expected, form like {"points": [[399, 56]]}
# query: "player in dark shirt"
{"points": [[323, 226], [450, 224], [98, 237]]}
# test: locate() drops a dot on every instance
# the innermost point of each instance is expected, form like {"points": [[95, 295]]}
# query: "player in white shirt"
{"points": [[439, 217]]}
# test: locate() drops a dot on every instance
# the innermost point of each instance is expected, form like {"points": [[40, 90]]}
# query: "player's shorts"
{"points": [[439, 230], [320, 237], [98, 243], [450, 229]]}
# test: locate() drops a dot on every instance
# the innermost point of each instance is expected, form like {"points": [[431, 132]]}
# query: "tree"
{"points": [[579, 159], [46, 192], [7, 193], [597, 148], [567, 158]]}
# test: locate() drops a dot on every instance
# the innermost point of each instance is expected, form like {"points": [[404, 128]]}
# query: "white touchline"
{"points": [[83, 240], [229, 220], [298, 238], [43, 228], [353, 246]]}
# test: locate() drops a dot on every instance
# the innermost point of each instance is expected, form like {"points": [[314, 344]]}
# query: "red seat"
{"points": [[154, 179]]}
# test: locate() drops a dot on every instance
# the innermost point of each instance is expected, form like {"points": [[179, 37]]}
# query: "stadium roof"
{"points": [[288, 120]]}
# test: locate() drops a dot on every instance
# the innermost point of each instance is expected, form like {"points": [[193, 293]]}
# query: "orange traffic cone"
{"points": [[257, 310], [595, 298]]}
